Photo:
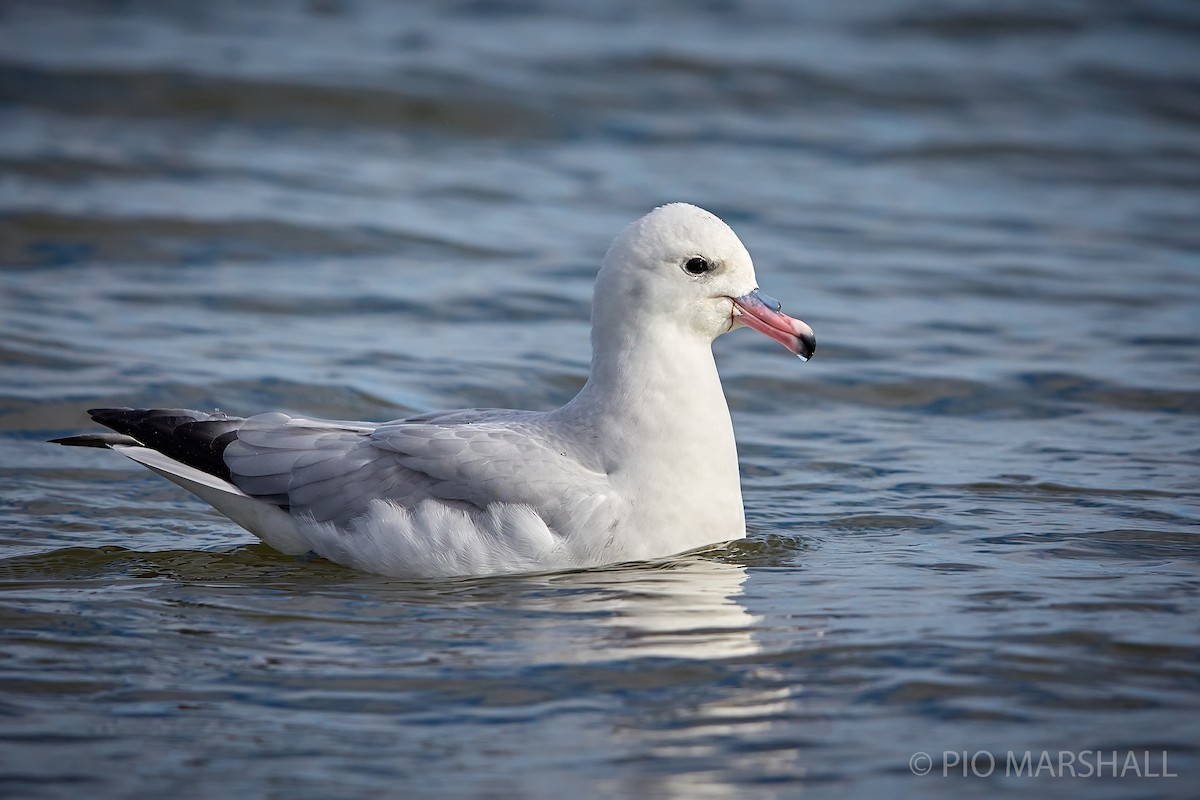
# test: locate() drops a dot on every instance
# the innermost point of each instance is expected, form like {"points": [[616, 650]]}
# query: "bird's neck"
{"points": [[656, 405], [658, 391]]}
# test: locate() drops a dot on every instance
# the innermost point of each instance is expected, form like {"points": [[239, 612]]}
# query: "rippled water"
{"points": [[973, 516]]}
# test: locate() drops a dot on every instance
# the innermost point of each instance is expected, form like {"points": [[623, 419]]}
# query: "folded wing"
{"points": [[332, 471]]}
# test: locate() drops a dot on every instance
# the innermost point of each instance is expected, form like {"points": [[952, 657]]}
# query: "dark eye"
{"points": [[696, 266]]}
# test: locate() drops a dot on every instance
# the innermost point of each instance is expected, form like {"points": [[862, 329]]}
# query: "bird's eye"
{"points": [[697, 266]]}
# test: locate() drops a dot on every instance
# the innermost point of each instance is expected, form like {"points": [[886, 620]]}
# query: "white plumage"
{"points": [[641, 464]]}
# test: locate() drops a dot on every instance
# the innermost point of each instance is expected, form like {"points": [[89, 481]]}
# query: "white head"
{"points": [[681, 265]]}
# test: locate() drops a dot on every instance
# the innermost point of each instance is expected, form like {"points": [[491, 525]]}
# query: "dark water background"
{"points": [[973, 516]]}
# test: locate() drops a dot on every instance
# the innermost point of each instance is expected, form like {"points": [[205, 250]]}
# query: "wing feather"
{"points": [[332, 471]]}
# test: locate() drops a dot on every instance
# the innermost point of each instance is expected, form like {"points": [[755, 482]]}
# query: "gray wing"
{"points": [[333, 470]]}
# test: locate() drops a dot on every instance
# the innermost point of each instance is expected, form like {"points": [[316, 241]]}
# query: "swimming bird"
{"points": [[640, 465]]}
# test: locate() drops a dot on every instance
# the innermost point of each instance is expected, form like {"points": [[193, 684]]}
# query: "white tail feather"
{"points": [[268, 522]]}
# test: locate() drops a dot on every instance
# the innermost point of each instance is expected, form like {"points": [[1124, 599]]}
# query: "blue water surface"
{"points": [[973, 517]]}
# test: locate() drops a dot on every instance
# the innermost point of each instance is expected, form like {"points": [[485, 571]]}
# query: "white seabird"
{"points": [[641, 464]]}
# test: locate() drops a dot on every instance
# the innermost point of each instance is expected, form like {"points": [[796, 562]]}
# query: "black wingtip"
{"points": [[195, 438], [102, 414], [95, 440]]}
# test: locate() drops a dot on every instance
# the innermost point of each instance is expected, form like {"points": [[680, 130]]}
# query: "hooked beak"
{"points": [[761, 312]]}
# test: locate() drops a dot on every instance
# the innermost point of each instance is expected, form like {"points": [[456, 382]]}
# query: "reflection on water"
{"points": [[657, 650], [973, 516], [690, 609]]}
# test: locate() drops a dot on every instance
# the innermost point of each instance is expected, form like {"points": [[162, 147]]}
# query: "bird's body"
{"points": [[641, 464]]}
